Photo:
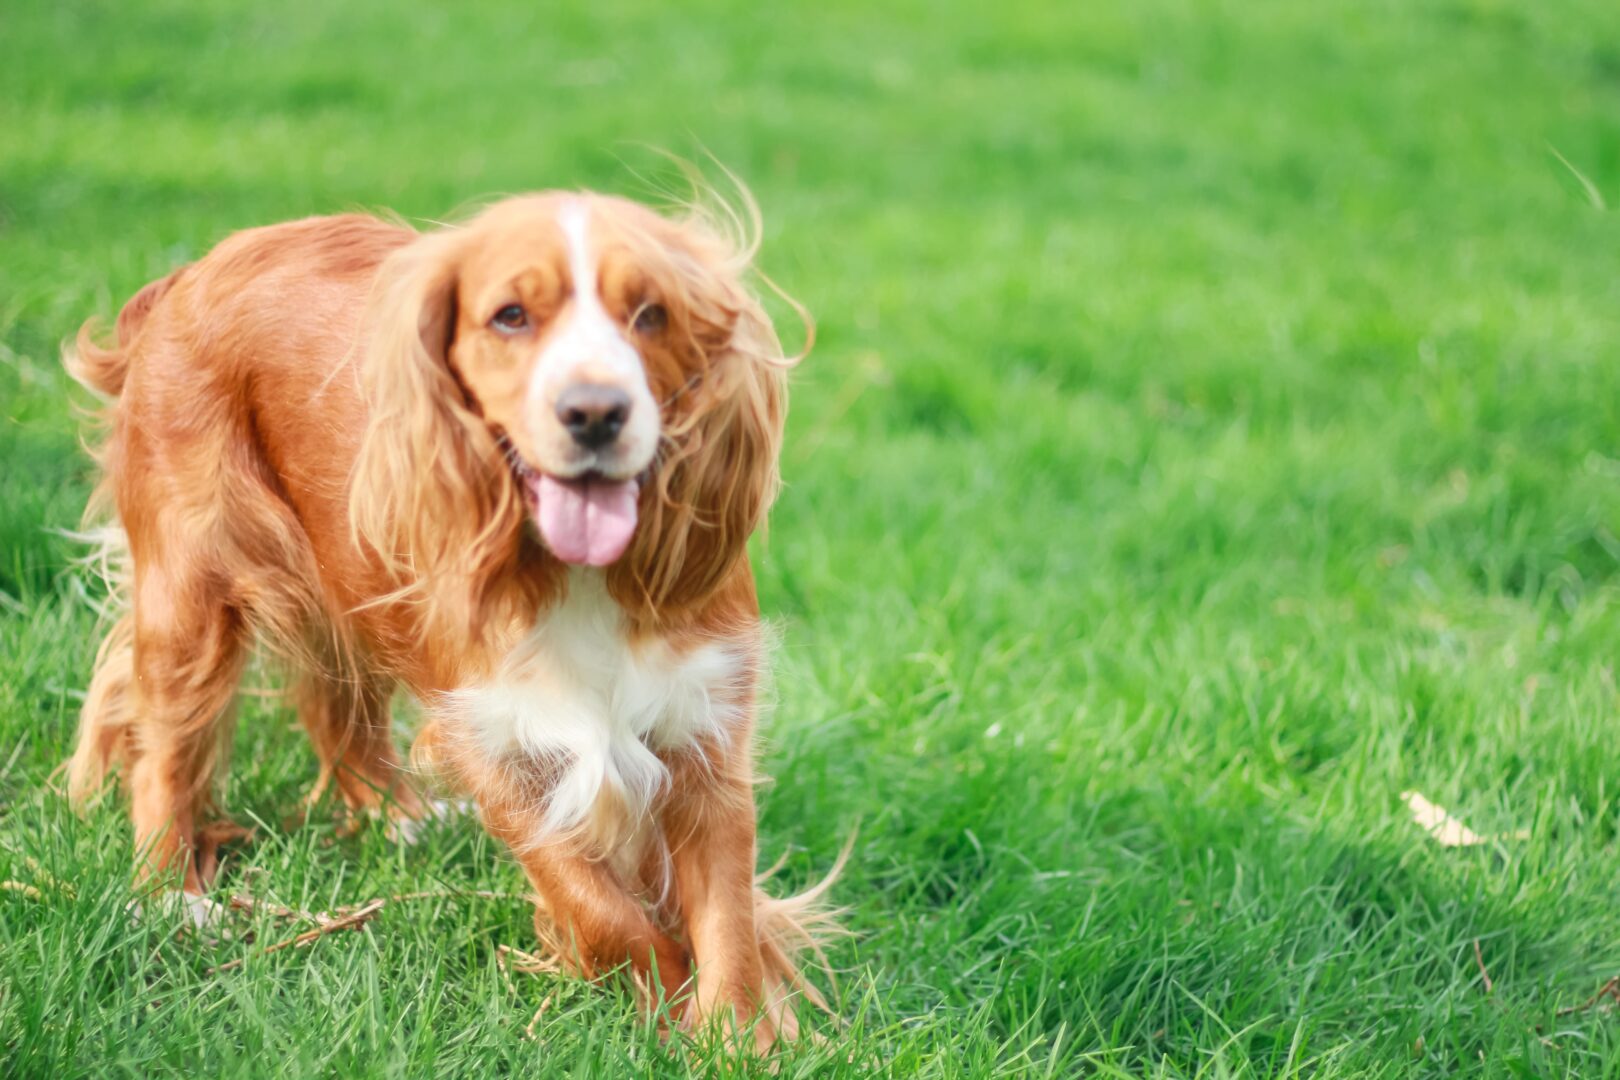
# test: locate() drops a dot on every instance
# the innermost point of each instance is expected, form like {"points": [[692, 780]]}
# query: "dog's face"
{"points": [[585, 360], [580, 326], [556, 317]]}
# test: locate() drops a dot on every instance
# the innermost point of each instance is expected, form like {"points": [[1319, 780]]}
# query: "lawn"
{"points": [[1213, 433]]}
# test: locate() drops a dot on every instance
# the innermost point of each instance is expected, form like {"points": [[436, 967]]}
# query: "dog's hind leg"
{"points": [[349, 723], [189, 645], [104, 721]]}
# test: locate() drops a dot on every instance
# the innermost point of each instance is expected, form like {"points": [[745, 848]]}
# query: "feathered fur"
{"points": [[316, 439]]}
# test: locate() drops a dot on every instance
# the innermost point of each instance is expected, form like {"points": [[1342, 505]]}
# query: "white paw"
{"points": [[199, 911], [445, 809], [203, 912], [408, 831]]}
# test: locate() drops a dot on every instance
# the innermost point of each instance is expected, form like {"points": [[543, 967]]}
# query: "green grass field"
{"points": [[1214, 432]]}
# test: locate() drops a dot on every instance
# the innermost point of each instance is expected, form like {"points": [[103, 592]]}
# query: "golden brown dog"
{"points": [[510, 466]]}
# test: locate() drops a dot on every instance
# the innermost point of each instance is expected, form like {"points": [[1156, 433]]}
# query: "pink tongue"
{"points": [[587, 522]]}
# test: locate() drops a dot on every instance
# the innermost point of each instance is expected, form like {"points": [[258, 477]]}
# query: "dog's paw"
{"points": [[198, 913], [409, 831]]}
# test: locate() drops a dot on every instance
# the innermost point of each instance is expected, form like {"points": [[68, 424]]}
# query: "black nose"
{"points": [[593, 414]]}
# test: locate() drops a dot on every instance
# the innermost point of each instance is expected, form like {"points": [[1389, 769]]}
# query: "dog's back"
{"points": [[230, 364]]}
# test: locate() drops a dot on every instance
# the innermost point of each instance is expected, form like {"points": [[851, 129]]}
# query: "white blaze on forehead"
{"points": [[587, 346], [574, 220], [589, 336]]}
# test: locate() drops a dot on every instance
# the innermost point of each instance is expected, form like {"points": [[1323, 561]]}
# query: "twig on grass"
{"points": [[1479, 959], [248, 904], [347, 918], [1610, 989], [353, 919], [279, 911], [444, 894]]}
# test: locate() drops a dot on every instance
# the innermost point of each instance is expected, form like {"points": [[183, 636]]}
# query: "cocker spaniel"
{"points": [[509, 466]]}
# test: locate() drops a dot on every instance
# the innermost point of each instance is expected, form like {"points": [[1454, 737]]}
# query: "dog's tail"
{"points": [[101, 369], [96, 367]]}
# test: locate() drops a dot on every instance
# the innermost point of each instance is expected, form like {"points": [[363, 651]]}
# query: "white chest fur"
{"points": [[595, 707]]}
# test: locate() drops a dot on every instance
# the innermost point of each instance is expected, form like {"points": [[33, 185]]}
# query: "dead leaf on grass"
{"points": [[1447, 830]]}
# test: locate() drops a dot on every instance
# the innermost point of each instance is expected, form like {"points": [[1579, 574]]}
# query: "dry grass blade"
{"points": [[534, 1021], [1610, 989], [48, 879], [527, 963], [509, 959], [1479, 959]]}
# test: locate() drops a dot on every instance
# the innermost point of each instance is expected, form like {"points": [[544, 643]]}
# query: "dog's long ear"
{"points": [[718, 473], [429, 493]]}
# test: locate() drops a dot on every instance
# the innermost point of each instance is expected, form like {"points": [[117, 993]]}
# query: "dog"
{"points": [[511, 467]]}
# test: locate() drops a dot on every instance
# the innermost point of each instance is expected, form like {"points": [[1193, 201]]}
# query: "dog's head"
{"points": [[578, 362]]}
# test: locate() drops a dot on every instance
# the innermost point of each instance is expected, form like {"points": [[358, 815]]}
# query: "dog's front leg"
{"points": [[586, 914], [708, 821]]}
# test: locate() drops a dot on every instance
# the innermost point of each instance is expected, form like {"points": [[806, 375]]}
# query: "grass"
{"points": [[1213, 434]]}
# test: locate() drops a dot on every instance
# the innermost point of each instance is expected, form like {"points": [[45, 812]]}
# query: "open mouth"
{"points": [[586, 520]]}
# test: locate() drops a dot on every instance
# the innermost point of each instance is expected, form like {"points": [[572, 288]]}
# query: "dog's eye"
{"points": [[511, 317], [651, 319]]}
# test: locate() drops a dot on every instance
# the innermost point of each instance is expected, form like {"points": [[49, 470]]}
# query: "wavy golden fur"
{"points": [[319, 438]]}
